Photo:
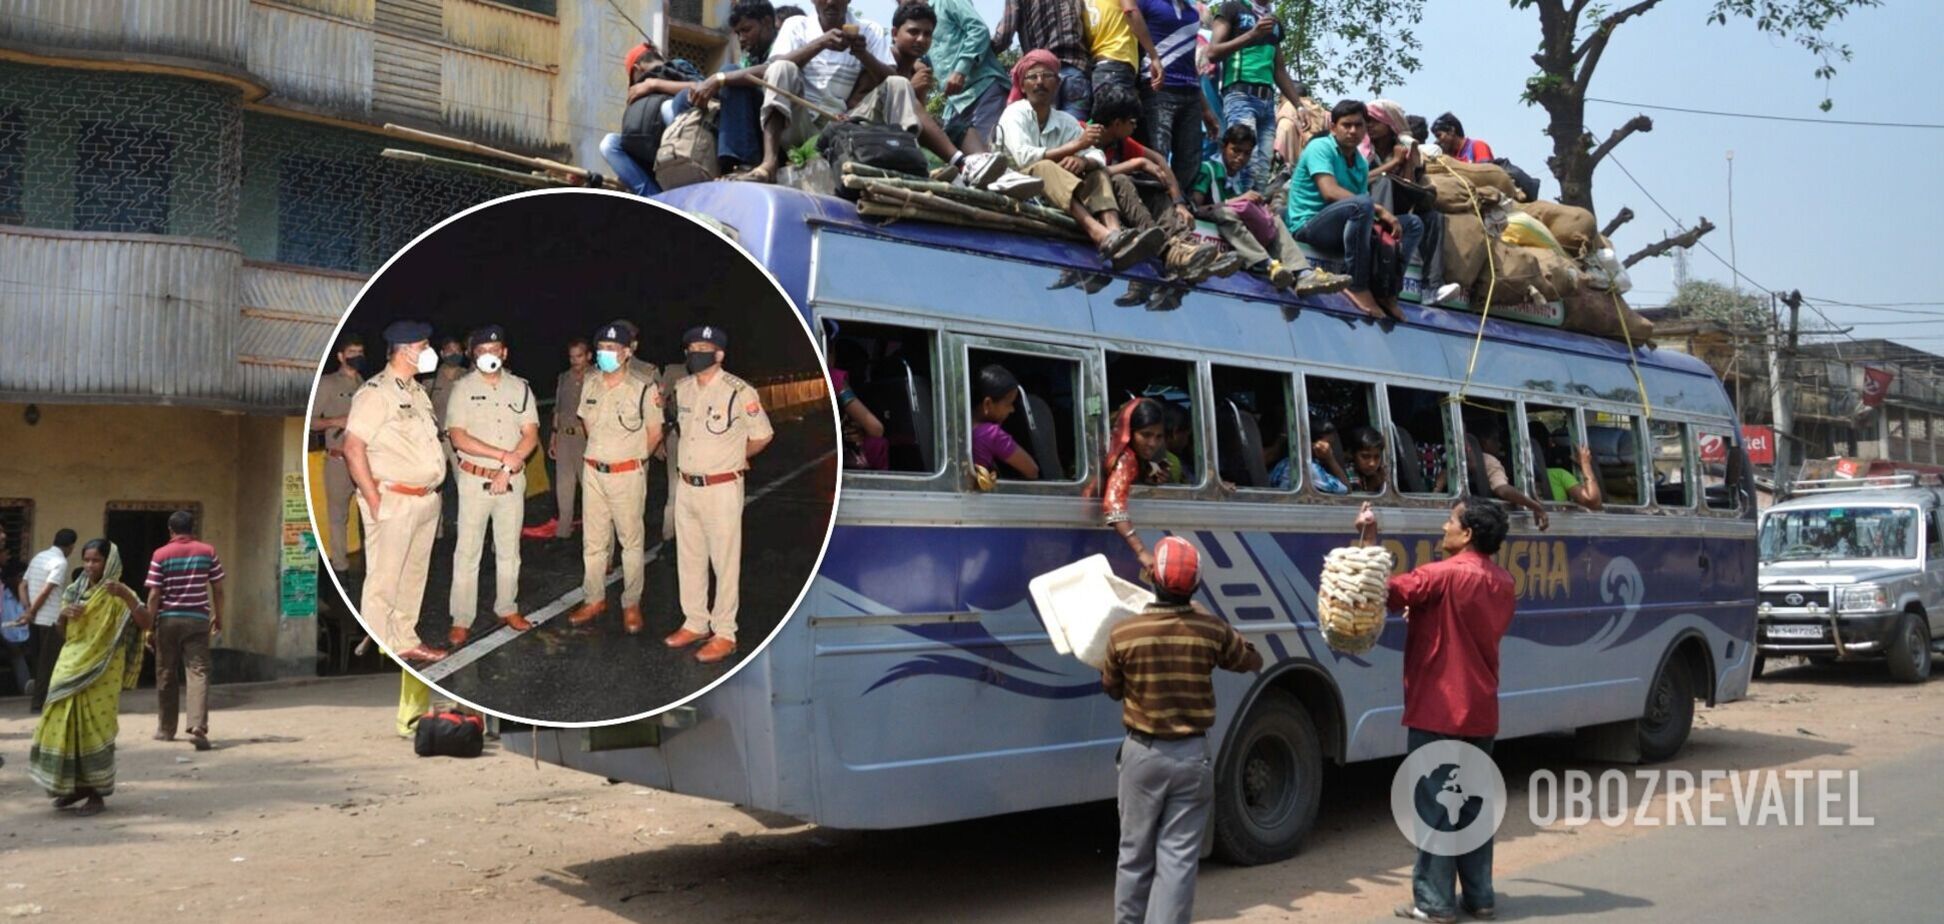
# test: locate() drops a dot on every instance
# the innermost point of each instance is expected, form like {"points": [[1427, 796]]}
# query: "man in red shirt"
{"points": [[1456, 610], [185, 583], [1451, 139]]}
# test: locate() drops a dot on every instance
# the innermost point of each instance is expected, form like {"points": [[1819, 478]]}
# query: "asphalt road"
{"points": [[560, 673]]}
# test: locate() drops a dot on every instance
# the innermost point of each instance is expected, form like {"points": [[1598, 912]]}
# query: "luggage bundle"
{"points": [[449, 734]]}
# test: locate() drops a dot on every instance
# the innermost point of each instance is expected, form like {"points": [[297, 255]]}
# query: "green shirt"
{"points": [[1562, 480], [1322, 155], [1254, 63], [1213, 181], [962, 43]]}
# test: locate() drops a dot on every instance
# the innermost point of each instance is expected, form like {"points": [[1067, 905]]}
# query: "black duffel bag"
{"points": [[641, 123], [449, 734], [886, 147], [1526, 182]]}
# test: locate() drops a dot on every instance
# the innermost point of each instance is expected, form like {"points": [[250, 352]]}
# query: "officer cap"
{"points": [[616, 332], [407, 332], [707, 332], [491, 333]]}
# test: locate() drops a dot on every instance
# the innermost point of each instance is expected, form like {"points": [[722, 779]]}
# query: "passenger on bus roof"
{"points": [[1490, 434], [1140, 441], [1221, 195], [1049, 144], [995, 394], [1146, 191]]}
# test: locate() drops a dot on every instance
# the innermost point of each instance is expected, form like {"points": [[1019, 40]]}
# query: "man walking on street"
{"points": [[185, 580], [621, 409], [47, 574], [1456, 610], [723, 426], [397, 460], [568, 445], [334, 394], [1159, 665], [494, 426]]}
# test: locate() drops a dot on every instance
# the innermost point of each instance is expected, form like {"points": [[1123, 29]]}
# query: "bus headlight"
{"points": [[1863, 597]]}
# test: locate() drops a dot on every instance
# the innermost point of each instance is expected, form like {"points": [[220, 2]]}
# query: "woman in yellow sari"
{"points": [[73, 755]]}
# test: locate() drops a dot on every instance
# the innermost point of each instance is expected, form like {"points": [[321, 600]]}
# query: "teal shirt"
{"points": [[962, 44], [1322, 155]]}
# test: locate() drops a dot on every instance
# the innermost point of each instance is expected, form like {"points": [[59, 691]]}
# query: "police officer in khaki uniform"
{"points": [[333, 408], [568, 444], [494, 426], [723, 425], [621, 410], [392, 448]]}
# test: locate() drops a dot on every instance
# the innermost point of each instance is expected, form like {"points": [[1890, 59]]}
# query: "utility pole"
{"points": [[1781, 389]]}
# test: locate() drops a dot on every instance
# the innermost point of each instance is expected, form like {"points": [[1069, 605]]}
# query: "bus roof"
{"points": [[775, 224]]}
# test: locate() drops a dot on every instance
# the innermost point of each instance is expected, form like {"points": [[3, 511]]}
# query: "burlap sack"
{"points": [[1561, 275], [1591, 311], [1480, 176], [1518, 270], [1572, 226], [1464, 249], [1455, 198]]}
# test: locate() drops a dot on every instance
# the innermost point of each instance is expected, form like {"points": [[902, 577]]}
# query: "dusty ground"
{"points": [[310, 805]]}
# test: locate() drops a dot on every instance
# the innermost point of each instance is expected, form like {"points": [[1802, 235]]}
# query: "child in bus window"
{"points": [[995, 392], [1180, 440], [1367, 461]]}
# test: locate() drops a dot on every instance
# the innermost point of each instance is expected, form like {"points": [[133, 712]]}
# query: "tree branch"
{"points": [[1639, 123], [1683, 240], [1620, 218], [1587, 55]]}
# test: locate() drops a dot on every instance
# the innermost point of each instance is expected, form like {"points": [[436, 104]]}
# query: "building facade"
{"points": [[192, 194]]}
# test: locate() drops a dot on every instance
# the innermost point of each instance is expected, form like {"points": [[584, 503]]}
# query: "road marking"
{"points": [[501, 636]]}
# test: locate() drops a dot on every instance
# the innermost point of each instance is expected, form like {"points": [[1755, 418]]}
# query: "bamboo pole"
{"points": [[940, 204], [858, 176], [474, 147], [512, 176], [830, 114]]}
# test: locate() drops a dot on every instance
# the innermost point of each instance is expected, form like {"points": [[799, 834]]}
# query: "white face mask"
{"points": [[428, 361], [488, 363]]}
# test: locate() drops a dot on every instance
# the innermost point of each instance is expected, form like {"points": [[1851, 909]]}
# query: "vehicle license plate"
{"points": [[1795, 631]]}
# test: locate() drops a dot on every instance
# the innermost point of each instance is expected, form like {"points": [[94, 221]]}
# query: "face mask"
{"points": [[699, 360], [428, 361], [453, 359], [608, 360], [359, 365], [488, 363]]}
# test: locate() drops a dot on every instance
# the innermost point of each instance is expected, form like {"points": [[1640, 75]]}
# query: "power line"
{"points": [[1769, 118]]}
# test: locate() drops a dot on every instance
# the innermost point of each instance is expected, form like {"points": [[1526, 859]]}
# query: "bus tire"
{"points": [[1664, 727], [1761, 661], [1269, 786], [1910, 651]]}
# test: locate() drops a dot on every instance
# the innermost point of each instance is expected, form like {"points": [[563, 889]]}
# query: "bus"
{"points": [[916, 685]]}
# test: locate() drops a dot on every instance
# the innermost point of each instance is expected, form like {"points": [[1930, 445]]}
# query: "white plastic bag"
{"points": [[1081, 603], [1604, 272]]}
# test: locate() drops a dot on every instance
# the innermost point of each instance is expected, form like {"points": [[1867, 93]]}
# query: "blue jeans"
{"points": [[1175, 124], [982, 113], [1239, 108], [1343, 227], [1435, 879], [1076, 92], [1212, 147], [631, 174], [739, 126]]}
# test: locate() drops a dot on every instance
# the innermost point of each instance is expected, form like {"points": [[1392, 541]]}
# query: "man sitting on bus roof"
{"points": [[1222, 195], [1050, 145], [1330, 208], [1147, 193]]}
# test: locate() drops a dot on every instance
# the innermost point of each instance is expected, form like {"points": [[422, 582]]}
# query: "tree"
{"points": [[1707, 300], [1345, 46]]}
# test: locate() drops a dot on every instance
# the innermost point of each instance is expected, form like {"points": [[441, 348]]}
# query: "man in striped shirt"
{"points": [[185, 582], [1158, 666]]}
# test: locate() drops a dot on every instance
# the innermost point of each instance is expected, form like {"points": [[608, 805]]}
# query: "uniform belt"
{"points": [[408, 490], [334, 453], [1250, 88], [703, 481], [614, 468], [480, 470]]}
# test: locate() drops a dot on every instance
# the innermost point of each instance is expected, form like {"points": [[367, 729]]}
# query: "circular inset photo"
{"points": [[575, 457]]}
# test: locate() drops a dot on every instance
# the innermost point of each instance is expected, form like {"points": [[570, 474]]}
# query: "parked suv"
{"points": [[1853, 569]]}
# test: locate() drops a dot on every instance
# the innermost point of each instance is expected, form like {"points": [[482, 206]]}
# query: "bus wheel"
{"points": [[1761, 661], [1269, 786], [1910, 653], [1670, 713]]}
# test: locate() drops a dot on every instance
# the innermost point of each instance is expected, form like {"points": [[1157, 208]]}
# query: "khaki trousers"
{"points": [[1093, 191], [673, 442], [616, 506], [708, 536], [398, 552], [181, 654], [569, 459], [479, 510], [338, 490], [890, 103]]}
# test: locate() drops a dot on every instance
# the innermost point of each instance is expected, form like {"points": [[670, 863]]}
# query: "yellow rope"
{"points": [[1633, 362], [1491, 280]]}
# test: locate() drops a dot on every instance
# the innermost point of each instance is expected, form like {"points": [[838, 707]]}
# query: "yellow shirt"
{"points": [[718, 420], [1112, 38], [394, 418], [491, 413], [619, 417]]}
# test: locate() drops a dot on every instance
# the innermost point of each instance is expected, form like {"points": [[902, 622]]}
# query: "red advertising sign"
{"points": [[1876, 384], [1713, 448], [1761, 444], [1846, 468]]}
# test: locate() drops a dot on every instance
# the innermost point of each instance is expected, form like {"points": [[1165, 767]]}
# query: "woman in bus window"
{"points": [[995, 392], [864, 440], [1134, 457], [1583, 489], [1367, 474]]}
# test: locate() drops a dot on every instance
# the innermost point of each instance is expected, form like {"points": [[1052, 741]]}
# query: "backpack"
{"points": [[1386, 265], [1526, 182], [687, 153], [641, 124], [886, 147], [449, 734]]}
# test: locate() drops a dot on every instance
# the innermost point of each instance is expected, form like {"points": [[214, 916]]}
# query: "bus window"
{"points": [[1552, 443], [1172, 383], [1420, 431], [1338, 409], [1252, 430], [1490, 461], [1045, 417], [1616, 456], [889, 370], [1721, 460], [1671, 482]]}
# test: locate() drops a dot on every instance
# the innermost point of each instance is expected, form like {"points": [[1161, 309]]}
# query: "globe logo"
{"points": [[1448, 798]]}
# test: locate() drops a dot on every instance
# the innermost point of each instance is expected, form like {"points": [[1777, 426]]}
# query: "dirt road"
{"points": [[309, 805]]}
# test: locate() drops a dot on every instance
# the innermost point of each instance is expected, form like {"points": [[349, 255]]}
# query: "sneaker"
{"points": [[1189, 261], [1017, 185], [981, 170], [1167, 298], [1227, 264], [1282, 276], [1319, 282], [1138, 292], [1445, 293], [1414, 913]]}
